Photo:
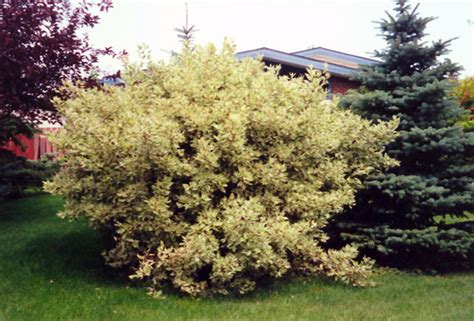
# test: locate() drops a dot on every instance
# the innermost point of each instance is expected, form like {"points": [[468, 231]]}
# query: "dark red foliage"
{"points": [[41, 45]]}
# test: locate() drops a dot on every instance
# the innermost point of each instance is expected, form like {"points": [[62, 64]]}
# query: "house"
{"points": [[340, 65], [34, 148]]}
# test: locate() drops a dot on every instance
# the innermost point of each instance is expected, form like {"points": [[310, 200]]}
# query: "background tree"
{"points": [[397, 217], [186, 32], [464, 91], [41, 46]]}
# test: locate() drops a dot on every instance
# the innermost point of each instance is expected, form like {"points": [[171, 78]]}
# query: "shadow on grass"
{"points": [[77, 255], [24, 210], [69, 255], [71, 252]]}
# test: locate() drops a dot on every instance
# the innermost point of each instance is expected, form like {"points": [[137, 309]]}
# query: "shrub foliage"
{"points": [[211, 174]]}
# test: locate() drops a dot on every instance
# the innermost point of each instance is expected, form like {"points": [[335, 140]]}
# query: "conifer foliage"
{"points": [[397, 217]]}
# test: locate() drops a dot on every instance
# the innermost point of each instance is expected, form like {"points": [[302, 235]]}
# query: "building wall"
{"points": [[341, 85], [26, 151], [338, 85], [33, 148]]}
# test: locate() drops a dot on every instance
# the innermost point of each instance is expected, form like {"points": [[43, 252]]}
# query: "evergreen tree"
{"points": [[399, 217]]}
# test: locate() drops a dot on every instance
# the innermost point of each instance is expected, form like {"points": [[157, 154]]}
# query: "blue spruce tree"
{"points": [[398, 218]]}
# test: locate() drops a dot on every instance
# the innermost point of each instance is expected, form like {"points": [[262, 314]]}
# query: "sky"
{"points": [[285, 25]]}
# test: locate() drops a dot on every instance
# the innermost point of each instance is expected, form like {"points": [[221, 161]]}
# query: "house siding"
{"points": [[341, 85]]}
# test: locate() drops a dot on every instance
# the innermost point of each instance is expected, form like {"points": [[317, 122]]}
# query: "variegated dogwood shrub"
{"points": [[211, 173]]}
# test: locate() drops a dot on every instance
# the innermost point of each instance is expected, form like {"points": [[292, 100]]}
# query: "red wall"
{"points": [[34, 147], [28, 144], [341, 85]]}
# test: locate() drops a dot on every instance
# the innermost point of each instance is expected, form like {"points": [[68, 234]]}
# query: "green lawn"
{"points": [[51, 269]]}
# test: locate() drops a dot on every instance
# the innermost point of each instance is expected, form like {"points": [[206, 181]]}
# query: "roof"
{"points": [[338, 63], [112, 81], [337, 56]]}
